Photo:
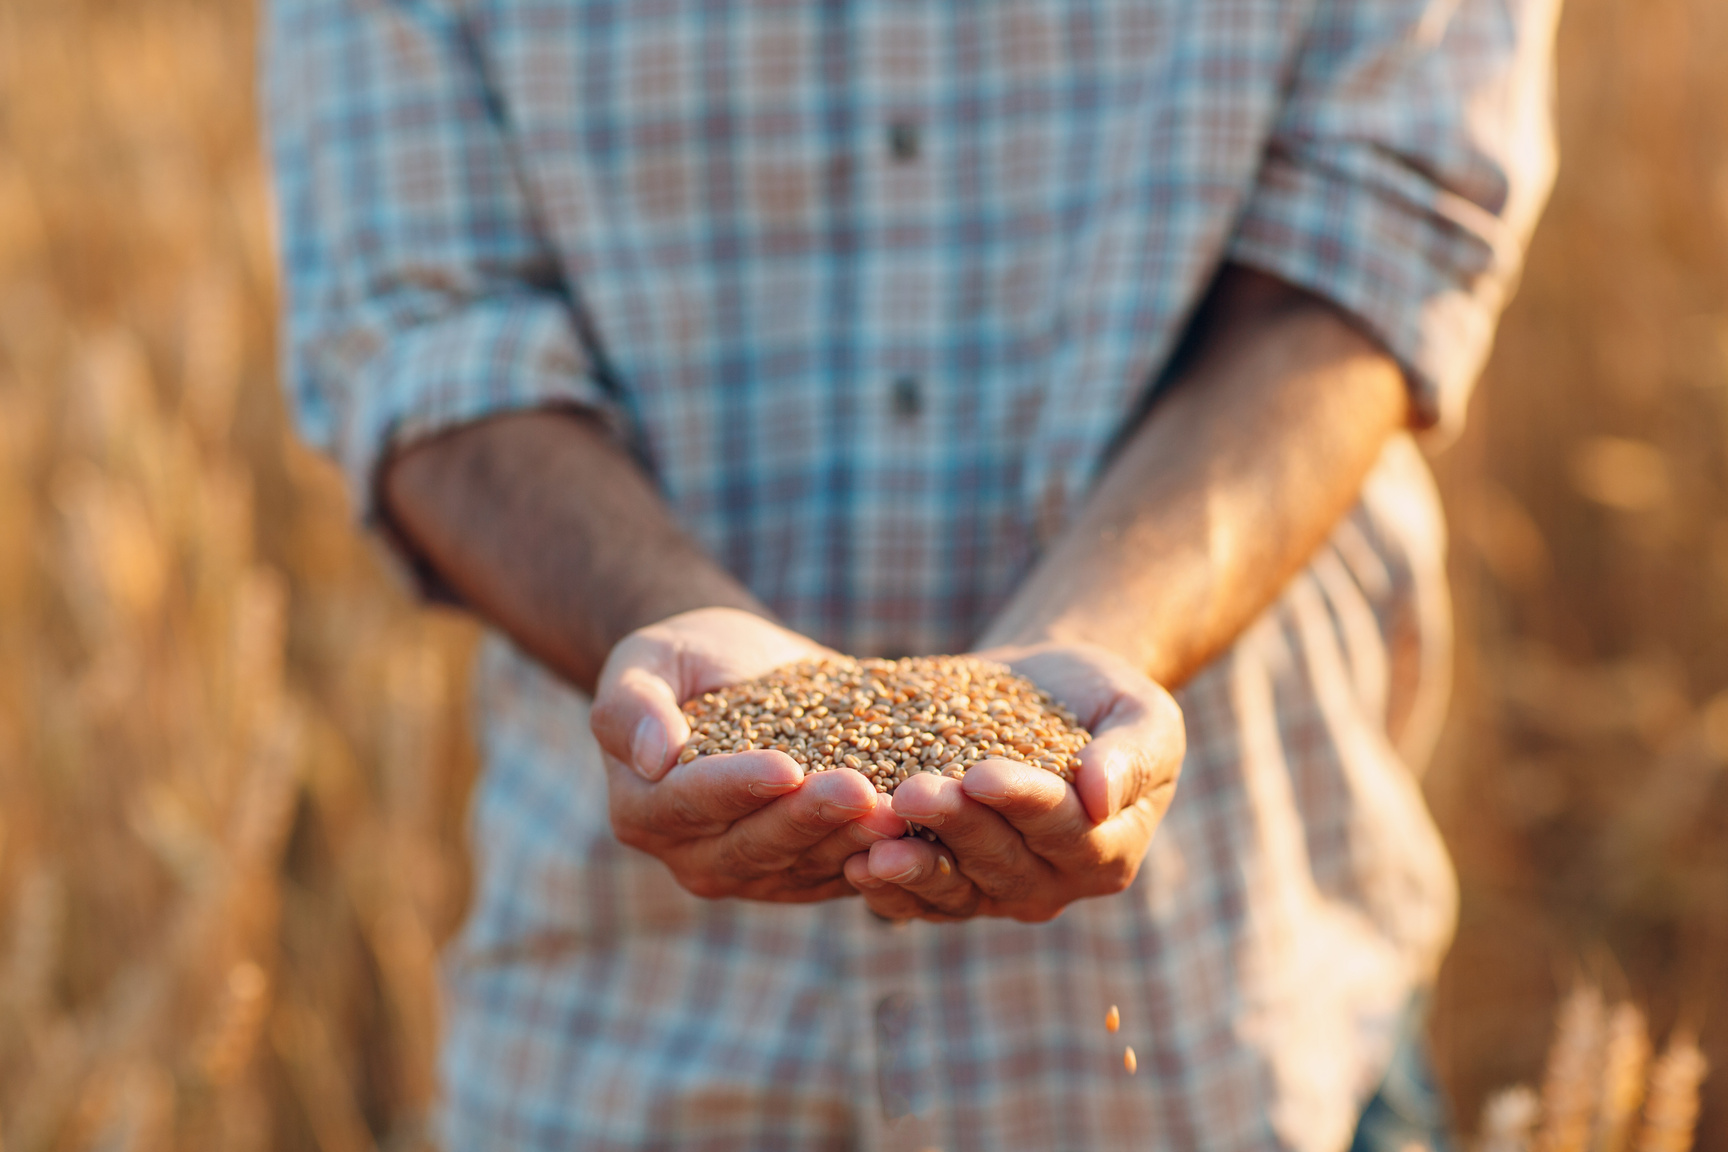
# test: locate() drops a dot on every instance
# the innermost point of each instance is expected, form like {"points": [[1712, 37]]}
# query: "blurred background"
{"points": [[232, 754]]}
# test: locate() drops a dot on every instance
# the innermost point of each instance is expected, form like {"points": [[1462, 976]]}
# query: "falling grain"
{"points": [[1112, 1019], [1130, 1061]]}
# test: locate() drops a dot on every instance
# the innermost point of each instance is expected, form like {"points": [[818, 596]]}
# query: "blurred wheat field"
{"points": [[1582, 786], [232, 755]]}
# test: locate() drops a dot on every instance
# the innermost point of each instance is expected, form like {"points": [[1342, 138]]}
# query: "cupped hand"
{"points": [[1019, 842], [748, 824]]}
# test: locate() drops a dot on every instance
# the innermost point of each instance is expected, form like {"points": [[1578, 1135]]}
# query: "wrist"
{"points": [[1132, 641], [698, 586]]}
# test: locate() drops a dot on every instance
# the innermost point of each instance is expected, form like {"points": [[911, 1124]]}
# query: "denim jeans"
{"points": [[1410, 1110]]}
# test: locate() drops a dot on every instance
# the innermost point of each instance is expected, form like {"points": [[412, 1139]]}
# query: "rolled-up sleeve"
{"points": [[1405, 173], [420, 293]]}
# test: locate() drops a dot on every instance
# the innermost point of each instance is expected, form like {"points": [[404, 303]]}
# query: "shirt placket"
{"points": [[900, 166], [898, 56], [897, 1099]]}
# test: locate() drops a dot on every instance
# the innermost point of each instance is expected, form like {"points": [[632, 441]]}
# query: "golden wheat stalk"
{"points": [[1624, 1064], [1671, 1111], [224, 1049], [1574, 1071], [1509, 1120]]}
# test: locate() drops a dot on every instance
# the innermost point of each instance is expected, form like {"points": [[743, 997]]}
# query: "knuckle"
{"points": [[684, 814], [961, 907], [804, 825], [1087, 853], [1040, 911], [749, 856], [607, 722], [891, 905], [631, 835], [768, 891], [995, 859], [1117, 876], [809, 874], [608, 706], [628, 829], [704, 885], [1010, 888]]}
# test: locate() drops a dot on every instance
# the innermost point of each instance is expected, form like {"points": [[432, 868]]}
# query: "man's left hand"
{"points": [[1017, 841]]}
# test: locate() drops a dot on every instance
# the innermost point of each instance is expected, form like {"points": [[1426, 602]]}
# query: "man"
{"points": [[681, 339]]}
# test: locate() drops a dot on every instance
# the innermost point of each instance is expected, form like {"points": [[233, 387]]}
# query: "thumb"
{"points": [[637, 720], [1128, 762]]}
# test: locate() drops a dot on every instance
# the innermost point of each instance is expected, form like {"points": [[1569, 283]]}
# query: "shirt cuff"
{"points": [[1420, 269], [490, 357]]}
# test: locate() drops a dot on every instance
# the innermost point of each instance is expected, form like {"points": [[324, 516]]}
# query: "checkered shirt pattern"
{"points": [[872, 286]]}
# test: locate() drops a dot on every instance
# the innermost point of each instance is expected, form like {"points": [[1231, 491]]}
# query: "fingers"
{"points": [[1136, 753], [1040, 806], [699, 799], [887, 900], [824, 860], [777, 837], [1094, 858], [988, 849], [773, 890], [927, 872], [636, 717], [1034, 800]]}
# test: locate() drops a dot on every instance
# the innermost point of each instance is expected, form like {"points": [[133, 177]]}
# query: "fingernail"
{"points": [[840, 813], [648, 748], [930, 820], [907, 876], [767, 791]]}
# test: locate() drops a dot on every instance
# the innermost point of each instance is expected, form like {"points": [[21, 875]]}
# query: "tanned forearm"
{"points": [[552, 533], [1233, 480]]}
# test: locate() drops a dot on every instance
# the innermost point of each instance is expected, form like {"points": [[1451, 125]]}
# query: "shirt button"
{"points": [[903, 141], [908, 397]]}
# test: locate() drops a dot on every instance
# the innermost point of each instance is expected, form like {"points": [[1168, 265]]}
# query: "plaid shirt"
{"points": [[873, 286]]}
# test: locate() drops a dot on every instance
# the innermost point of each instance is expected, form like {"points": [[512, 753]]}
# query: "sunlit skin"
{"points": [[1236, 475]]}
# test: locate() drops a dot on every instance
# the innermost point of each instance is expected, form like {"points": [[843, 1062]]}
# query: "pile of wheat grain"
{"points": [[890, 719]]}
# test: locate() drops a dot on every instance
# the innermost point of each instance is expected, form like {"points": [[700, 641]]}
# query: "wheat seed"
{"points": [[1112, 1019], [1129, 1061], [890, 719]]}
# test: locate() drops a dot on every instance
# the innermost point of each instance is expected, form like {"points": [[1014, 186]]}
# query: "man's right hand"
{"points": [[747, 824]]}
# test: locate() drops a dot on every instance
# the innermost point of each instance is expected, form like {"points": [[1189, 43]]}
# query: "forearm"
{"points": [[1236, 476], [551, 532]]}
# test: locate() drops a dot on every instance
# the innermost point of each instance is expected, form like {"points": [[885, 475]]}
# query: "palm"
{"points": [[747, 824], [1016, 840]]}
